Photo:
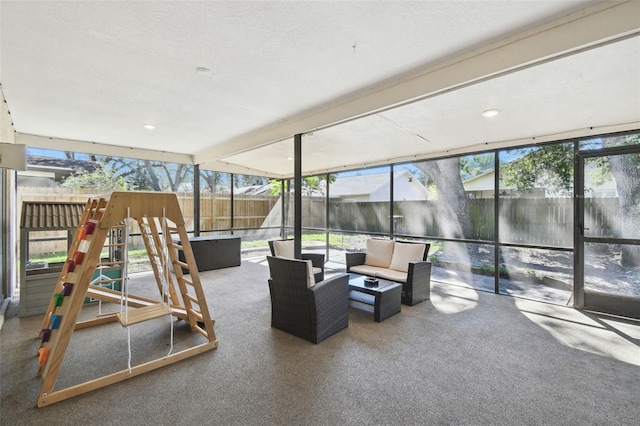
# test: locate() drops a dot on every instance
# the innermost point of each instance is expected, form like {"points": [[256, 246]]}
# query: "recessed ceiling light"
{"points": [[149, 126], [490, 113], [203, 70], [290, 158]]}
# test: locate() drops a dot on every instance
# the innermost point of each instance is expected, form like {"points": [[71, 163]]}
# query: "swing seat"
{"points": [[145, 313]]}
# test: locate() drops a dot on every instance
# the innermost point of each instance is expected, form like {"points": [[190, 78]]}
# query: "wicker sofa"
{"points": [[300, 306], [401, 261]]}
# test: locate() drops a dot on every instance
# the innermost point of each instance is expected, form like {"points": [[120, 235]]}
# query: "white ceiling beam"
{"points": [[34, 141], [591, 27]]}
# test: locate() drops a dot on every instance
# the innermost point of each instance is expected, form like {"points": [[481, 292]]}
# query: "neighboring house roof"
{"points": [[253, 190], [44, 215], [54, 169], [37, 162], [345, 186], [350, 186]]}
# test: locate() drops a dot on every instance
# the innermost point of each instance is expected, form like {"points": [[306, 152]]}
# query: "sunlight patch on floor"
{"points": [[575, 329], [453, 300]]}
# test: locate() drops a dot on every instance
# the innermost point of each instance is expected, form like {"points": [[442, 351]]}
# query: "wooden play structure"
{"points": [[161, 224]]}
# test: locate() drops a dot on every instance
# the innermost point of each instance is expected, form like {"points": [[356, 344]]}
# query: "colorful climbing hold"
{"points": [[66, 289], [78, 257], [57, 299], [90, 226], [55, 321], [43, 356], [46, 334]]}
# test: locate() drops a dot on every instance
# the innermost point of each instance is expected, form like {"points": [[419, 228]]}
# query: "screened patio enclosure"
{"points": [[507, 126], [551, 241]]}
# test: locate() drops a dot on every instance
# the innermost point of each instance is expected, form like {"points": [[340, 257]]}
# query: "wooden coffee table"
{"points": [[385, 297]]}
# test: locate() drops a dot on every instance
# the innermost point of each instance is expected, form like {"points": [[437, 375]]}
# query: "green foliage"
{"points": [[475, 165], [548, 166], [311, 185], [101, 179], [603, 172]]}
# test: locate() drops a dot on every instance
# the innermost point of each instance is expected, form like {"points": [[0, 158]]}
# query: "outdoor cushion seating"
{"points": [[285, 248], [309, 310], [403, 262]]}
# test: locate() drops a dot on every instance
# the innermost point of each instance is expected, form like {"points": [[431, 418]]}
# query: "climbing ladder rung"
{"points": [[118, 262], [196, 314], [186, 281], [190, 297], [182, 264], [106, 281], [135, 316]]}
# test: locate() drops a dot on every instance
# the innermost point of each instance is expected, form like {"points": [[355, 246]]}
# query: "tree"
{"points": [[625, 168], [101, 179], [311, 185], [150, 175], [214, 182], [552, 166], [475, 165], [454, 210]]}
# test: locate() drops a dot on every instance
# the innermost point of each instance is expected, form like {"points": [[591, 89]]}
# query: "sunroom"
{"points": [[547, 116], [505, 134]]}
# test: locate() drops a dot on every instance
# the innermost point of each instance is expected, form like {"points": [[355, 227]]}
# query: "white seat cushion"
{"points": [[403, 253], [284, 249], [371, 271], [390, 274], [379, 252]]}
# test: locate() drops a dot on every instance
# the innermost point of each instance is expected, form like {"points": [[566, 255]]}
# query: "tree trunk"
{"points": [[626, 172], [454, 209]]}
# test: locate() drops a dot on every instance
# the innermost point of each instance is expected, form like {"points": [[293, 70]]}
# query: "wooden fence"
{"points": [[215, 212], [537, 221]]}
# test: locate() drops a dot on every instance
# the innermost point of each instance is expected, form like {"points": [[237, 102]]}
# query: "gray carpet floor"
{"points": [[464, 357]]}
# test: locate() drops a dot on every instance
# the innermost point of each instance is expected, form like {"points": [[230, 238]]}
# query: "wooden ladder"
{"points": [[101, 216]]}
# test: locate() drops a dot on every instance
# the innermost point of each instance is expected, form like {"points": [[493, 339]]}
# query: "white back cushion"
{"points": [[403, 253], [283, 249], [379, 252], [311, 280]]}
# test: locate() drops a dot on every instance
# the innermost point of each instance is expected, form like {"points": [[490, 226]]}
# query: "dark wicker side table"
{"points": [[385, 297]]}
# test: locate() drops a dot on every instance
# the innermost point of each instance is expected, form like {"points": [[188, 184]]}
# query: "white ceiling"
{"points": [[87, 75]]}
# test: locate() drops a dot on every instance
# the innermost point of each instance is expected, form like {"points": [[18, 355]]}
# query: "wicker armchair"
{"points": [[317, 259], [311, 313]]}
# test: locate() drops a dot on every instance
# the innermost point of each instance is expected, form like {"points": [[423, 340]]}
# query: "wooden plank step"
{"points": [[135, 316]]}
